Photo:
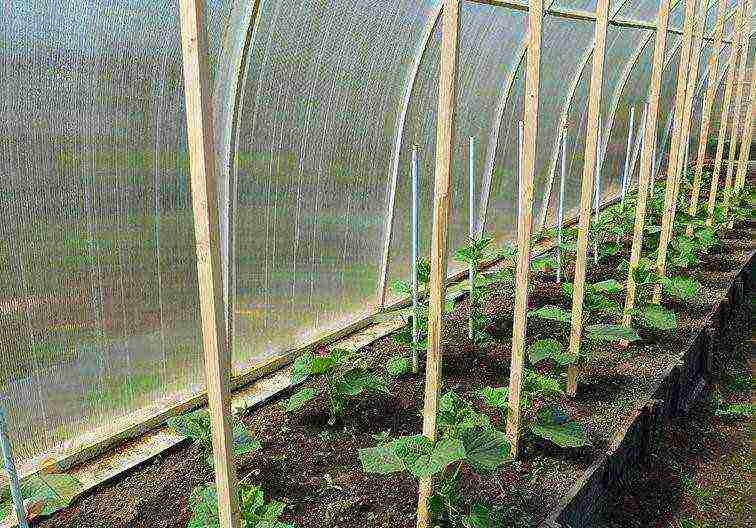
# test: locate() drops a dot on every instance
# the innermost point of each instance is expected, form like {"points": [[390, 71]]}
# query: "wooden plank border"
{"points": [[201, 144]]}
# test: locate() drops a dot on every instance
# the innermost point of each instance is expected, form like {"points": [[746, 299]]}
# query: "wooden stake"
{"points": [[747, 137], [738, 108], [201, 143], [695, 63], [708, 102], [444, 144], [731, 62], [676, 147], [525, 220], [657, 64], [590, 165]]}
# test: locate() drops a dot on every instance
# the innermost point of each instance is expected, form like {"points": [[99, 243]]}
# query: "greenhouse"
{"points": [[409, 263]]}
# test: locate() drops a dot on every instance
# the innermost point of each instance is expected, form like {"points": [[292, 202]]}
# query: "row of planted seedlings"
{"points": [[469, 438]]}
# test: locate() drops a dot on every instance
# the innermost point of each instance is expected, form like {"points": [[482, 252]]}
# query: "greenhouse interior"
{"points": [[408, 263]]}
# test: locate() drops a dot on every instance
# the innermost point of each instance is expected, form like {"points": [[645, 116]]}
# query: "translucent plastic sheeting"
{"points": [[98, 294], [645, 10], [558, 64], [317, 130], [490, 40], [502, 207], [716, 109]]}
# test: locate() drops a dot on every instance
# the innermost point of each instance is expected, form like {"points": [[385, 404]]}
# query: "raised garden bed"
{"points": [[626, 394]]}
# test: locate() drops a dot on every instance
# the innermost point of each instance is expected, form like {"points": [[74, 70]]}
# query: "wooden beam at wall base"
{"points": [[204, 186]]}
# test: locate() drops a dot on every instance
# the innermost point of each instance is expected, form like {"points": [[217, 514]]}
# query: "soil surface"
{"points": [[313, 467], [700, 475]]}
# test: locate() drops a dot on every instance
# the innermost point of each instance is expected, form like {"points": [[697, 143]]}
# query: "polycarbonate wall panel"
{"points": [[98, 293], [558, 67], [716, 109], [645, 10], [622, 44], [502, 204], [490, 40], [577, 120], [317, 126]]}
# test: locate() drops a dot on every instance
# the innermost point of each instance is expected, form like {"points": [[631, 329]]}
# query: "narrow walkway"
{"points": [[701, 473]]}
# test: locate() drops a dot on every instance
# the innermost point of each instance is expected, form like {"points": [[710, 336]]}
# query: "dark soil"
{"points": [[313, 468], [700, 474]]}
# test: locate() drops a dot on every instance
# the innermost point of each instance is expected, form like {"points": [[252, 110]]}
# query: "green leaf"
{"points": [[607, 286], [681, 288], [609, 332], [381, 459], [300, 398], [737, 410], [244, 443], [485, 448], [552, 313], [553, 425], [548, 349], [401, 287], [496, 397], [397, 365], [301, 369], [55, 492], [446, 451], [538, 384], [656, 317]]}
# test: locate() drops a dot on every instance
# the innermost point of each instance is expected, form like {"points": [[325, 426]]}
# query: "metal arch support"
{"points": [[227, 96], [565, 111], [401, 121]]}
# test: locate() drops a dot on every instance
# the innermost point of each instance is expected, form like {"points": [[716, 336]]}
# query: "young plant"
{"points": [[654, 316], [546, 421], [604, 232], [255, 513], [196, 426], [596, 304], [416, 319], [346, 376], [465, 438], [474, 255]]}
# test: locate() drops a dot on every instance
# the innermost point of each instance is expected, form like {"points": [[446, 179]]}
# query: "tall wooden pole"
{"points": [[525, 220], [708, 102], [731, 65], [738, 107], [647, 155], [201, 143], [679, 139], [589, 168], [447, 99], [745, 143]]}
